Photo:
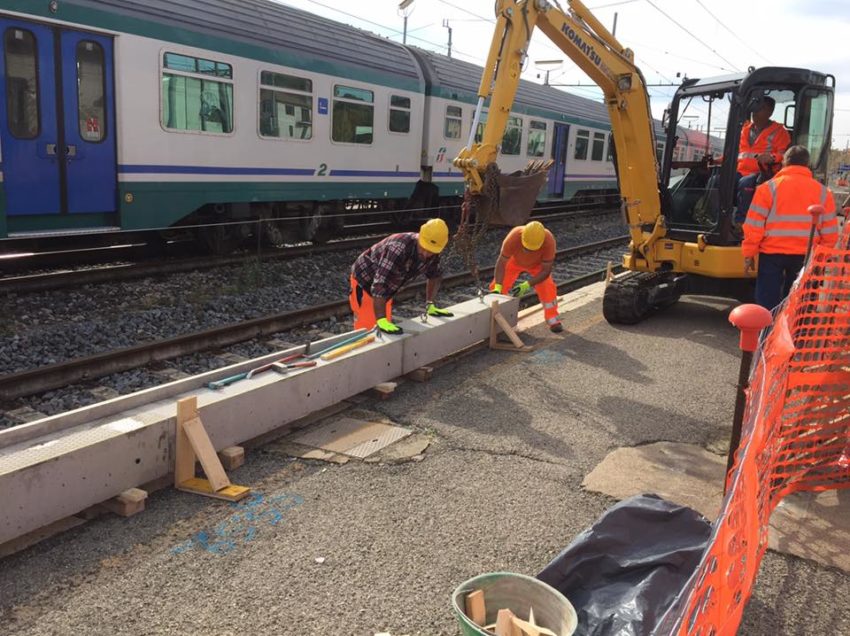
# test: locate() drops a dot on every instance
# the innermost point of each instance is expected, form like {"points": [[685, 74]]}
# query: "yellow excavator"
{"points": [[681, 214]]}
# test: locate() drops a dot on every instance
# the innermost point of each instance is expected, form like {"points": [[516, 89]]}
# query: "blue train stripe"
{"points": [[149, 169], [372, 173]]}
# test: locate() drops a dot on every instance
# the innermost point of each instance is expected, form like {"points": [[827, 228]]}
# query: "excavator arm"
{"points": [[597, 52]]}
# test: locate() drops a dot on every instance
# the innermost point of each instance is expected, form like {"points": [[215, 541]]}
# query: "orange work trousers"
{"points": [[546, 289], [363, 307]]}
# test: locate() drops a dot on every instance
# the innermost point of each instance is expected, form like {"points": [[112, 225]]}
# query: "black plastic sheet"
{"points": [[623, 573]]}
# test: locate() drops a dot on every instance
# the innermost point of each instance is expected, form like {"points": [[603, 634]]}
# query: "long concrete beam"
{"points": [[59, 466]]}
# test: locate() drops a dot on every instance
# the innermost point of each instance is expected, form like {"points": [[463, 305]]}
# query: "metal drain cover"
{"points": [[355, 438]]}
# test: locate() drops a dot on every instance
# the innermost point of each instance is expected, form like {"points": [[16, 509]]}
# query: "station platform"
{"points": [[509, 458]]}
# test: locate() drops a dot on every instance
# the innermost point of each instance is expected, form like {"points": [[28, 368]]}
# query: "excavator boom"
{"points": [[597, 52]]}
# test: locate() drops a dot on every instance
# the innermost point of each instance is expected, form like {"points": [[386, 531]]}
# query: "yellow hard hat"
{"points": [[433, 235], [533, 235]]}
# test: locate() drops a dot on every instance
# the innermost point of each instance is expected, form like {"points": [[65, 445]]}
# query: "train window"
{"points": [[454, 122], [582, 142], [536, 138], [188, 64], [399, 114], [353, 115], [512, 139], [22, 105], [191, 100], [286, 106], [598, 146], [91, 91]]}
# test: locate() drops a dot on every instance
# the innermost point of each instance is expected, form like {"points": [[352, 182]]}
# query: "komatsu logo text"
{"points": [[586, 48]]}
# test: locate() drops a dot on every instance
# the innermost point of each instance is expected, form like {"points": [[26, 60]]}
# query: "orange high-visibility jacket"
{"points": [[773, 139], [778, 221]]}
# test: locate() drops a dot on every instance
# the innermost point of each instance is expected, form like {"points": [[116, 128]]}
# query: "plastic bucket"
{"points": [[519, 593]]}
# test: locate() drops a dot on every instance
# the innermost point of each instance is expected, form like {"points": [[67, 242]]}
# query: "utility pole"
{"points": [[403, 6], [446, 25]]}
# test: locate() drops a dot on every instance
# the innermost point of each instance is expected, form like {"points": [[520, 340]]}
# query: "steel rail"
{"points": [[46, 378]]}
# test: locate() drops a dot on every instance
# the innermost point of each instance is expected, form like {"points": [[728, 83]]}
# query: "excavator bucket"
{"points": [[509, 198]]}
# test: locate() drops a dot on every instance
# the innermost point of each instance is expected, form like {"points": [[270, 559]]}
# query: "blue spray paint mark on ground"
{"points": [[546, 356], [252, 514]]}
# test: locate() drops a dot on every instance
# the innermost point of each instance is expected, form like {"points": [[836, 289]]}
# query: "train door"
{"points": [[56, 121], [559, 156]]}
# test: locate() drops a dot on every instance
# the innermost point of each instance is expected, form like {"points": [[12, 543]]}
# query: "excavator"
{"points": [[684, 238]]}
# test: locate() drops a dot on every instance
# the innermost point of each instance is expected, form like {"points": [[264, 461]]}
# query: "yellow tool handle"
{"points": [[342, 350]]}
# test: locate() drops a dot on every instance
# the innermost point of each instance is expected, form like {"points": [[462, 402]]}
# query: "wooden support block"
{"points": [[499, 322], [31, 538], [128, 503], [384, 390], [422, 374], [194, 443], [232, 457], [475, 607]]}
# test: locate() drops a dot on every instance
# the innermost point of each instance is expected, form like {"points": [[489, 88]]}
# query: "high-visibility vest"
{"points": [[773, 139], [778, 221]]}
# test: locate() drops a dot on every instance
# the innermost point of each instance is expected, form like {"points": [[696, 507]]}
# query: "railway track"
{"points": [[49, 281], [46, 378]]}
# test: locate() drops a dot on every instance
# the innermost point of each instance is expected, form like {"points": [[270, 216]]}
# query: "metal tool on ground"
{"points": [[284, 368]]}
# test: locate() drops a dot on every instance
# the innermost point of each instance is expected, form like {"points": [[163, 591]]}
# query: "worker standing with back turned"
{"points": [[530, 248], [779, 225], [383, 269]]}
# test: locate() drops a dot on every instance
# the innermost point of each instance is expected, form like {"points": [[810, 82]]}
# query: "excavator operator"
{"points": [[530, 248], [763, 143]]}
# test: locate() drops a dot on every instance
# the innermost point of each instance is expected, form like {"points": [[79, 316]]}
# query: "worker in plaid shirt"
{"points": [[383, 269]]}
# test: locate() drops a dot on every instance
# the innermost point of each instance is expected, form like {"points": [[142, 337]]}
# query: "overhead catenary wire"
{"points": [[735, 35], [692, 34]]}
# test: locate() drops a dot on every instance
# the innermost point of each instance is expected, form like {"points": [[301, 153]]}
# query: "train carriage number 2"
{"points": [[323, 170]]}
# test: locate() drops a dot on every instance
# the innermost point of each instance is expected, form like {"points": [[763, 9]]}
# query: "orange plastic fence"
{"points": [[796, 437]]}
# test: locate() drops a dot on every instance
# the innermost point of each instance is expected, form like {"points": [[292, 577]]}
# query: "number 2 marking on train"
{"points": [[323, 170]]}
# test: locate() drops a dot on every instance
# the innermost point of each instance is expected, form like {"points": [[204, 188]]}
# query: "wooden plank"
{"points": [[422, 374], [475, 607], [505, 625], [206, 454], [31, 538], [184, 467], [509, 330]]}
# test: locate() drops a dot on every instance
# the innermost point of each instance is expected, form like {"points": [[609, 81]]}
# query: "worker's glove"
{"points": [[387, 327], [432, 310], [497, 288], [521, 289]]}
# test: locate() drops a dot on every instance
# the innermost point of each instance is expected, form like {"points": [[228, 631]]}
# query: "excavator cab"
{"points": [[699, 177]]}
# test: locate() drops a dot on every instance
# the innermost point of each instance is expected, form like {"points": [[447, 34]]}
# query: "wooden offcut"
{"points": [[232, 457], [422, 374], [193, 444], [476, 610], [128, 503]]}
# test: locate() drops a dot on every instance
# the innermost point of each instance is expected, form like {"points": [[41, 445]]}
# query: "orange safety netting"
{"points": [[796, 437]]}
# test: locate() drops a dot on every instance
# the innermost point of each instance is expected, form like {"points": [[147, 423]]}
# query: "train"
{"points": [[234, 118]]}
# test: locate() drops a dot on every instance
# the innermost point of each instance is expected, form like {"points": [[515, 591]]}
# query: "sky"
{"points": [[671, 39]]}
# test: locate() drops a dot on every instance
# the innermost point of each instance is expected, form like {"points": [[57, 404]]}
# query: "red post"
{"points": [[750, 319]]}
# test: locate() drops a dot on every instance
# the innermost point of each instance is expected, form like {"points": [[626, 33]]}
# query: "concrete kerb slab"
{"points": [[814, 526], [64, 464]]}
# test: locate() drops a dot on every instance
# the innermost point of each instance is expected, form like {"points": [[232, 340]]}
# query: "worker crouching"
{"points": [[530, 249], [382, 270]]}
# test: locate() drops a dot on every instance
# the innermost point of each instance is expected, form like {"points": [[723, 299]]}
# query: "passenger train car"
{"points": [[145, 114]]}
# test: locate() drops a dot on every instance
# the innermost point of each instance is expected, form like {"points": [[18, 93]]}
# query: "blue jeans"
{"points": [[777, 272], [746, 190]]}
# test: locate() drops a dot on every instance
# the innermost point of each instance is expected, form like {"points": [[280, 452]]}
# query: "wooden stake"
{"points": [[193, 444], [499, 322]]}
